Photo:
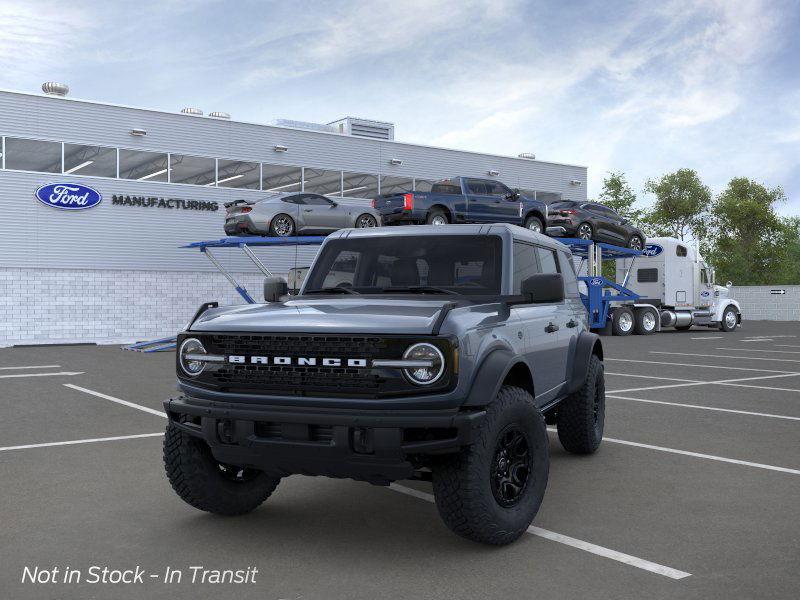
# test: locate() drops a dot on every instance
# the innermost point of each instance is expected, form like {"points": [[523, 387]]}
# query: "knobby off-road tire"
{"points": [[205, 484], [581, 415], [466, 488]]}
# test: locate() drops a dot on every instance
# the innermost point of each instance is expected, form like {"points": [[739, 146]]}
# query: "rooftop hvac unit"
{"points": [[51, 88], [219, 115], [303, 125], [192, 111], [377, 130]]}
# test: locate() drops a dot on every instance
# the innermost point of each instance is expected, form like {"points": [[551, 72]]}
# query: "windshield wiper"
{"points": [[333, 290], [419, 289]]}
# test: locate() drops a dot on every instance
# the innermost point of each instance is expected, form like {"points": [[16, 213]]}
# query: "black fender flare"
{"points": [[490, 376], [588, 343]]}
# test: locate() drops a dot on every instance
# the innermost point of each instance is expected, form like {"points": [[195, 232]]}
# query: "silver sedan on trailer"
{"points": [[296, 213]]}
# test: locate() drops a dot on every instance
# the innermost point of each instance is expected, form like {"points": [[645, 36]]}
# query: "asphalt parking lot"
{"points": [[693, 494]]}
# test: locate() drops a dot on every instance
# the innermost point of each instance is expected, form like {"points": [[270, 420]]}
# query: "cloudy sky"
{"points": [[641, 87]]}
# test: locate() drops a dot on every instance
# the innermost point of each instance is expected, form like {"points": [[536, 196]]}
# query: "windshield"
{"points": [[461, 264]]}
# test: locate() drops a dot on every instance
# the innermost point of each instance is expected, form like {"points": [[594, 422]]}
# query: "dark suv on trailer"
{"points": [[594, 221], [410, 353]]}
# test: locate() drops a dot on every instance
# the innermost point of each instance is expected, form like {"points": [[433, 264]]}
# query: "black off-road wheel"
{"points": [[581, 416], [204, 483], [490, 491]]}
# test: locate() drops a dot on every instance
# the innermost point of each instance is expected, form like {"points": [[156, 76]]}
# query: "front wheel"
{"points": [[584, 231], [208, 485], [534, 224], [491, 491], [281, 226], [635, 243], [365, 221], [729, 320]]}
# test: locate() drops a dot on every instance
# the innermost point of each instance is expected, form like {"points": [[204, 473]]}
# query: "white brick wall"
{"points": [[758, 303], [47, 306]]}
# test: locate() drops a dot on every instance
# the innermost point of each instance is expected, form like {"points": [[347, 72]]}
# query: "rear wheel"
{"points": [[281, 226], [437, 217], [581, 416], [729, 320], [491, 491], [534, 224], [622, 322], [200, 480], [635, 243], [584, 231], [645, 323], [366, 220]]}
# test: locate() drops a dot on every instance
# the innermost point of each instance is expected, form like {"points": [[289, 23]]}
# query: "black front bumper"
{"points": [[378, 446]]}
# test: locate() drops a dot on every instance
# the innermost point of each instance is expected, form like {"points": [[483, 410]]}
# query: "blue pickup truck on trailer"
{"points": [[463, 200]]}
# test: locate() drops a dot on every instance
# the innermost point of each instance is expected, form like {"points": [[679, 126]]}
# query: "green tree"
{"points": [[750, 243], [618, 195], [681, 205]]}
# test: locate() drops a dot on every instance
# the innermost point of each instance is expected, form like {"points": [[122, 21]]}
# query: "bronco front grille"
{"points": [[297, 379]]}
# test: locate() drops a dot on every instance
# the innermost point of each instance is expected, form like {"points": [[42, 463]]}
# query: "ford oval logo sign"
{"points": [[652, 250], [595, 282], [68, 196], [705, 294]]}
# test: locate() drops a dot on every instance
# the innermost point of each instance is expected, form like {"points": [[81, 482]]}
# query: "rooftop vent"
{"points": [[51, 88], [192, 111], [527, 155], [303, 125], [219, 115], [377, 130]]}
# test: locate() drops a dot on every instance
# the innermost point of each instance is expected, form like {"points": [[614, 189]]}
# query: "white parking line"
{"points": [[152, 411], [717, 382], [87, 441], [758, 340], [627, 559], [701, 407], [653, 377], [723, 356], [65, 373], [708, 337], [31, 367], [787, 346], [758, 350], [674, 364]]}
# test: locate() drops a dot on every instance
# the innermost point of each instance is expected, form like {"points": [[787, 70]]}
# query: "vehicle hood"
{"points": [[326, 315]]}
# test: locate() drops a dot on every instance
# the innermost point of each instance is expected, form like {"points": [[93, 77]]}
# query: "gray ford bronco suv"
{"points": [[424, 352]]}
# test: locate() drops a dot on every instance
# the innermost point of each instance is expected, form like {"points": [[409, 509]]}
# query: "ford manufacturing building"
{"points": [[115, 272]]}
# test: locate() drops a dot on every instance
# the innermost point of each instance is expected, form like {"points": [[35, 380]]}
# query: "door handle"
{"points": [[572, 323], [307, 210], [551, 328]]}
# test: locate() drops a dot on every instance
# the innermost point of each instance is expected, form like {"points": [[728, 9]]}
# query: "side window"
{"points": [[495, 188], [704, 276], [647, 275], [681, 251], [476, 186], [547, 260], [293, 200], [316, 200], [526, 263], [570, 279]]}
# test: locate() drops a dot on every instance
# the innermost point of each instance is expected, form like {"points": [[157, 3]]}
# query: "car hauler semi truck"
{"points": [[672, 277]]}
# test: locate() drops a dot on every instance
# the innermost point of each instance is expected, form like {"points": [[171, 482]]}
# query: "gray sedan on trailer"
{"points": [[291, 213]]}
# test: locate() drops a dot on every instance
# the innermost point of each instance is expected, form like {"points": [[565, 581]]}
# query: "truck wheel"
{"points": [[729, 320], [491, 491], [437, 217], [208, 485], [534, 224], [622, 323], [645, 323], [581, 415]]}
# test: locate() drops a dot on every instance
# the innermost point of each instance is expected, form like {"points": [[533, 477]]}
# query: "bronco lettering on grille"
{"points": [[299, 361]]}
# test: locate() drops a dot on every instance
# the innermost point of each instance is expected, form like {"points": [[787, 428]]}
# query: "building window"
{"points": [[96, 161], [33, 155], [144, 166], [237, 174], [194, 170], [321, 181], [359, 185], [423, 185], [396, 185], [280, 178]]}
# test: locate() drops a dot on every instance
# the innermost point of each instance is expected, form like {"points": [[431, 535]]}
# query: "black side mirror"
{"points": [[512, 195], [275, 288], [544, 288], [334, 204]]}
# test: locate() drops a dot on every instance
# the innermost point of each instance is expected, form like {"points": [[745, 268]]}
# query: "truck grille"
{"points": [[299, 380]]}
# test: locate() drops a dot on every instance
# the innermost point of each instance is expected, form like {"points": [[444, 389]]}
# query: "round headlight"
{"points": [[192, 367], [424, 375]]}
